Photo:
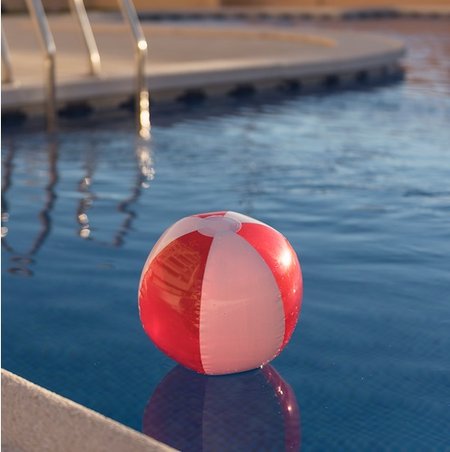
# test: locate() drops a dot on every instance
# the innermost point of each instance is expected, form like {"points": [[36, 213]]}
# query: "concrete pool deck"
{"points": [[35, 420], [188, 59]]}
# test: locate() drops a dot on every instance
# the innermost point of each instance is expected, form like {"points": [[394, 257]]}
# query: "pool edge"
{"points": [[35, 419]]}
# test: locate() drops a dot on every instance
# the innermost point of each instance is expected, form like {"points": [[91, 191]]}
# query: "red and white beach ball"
{"points": [[221, 292]]}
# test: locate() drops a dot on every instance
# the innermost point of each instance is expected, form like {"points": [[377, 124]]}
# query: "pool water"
{"points": [[358, 181]]}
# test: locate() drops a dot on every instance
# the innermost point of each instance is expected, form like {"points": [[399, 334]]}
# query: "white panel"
{"points": [[241, 312], [244, 218]]}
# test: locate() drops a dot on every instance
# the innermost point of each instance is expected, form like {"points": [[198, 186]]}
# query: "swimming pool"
{"points": [[358, 182]]}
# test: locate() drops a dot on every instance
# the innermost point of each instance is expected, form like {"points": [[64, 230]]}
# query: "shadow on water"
{"points": [[22, 260], [255, 410]]}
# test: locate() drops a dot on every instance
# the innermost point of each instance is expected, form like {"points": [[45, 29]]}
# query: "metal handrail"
{"points": [[142, 95], [79, 10], [7, 73], [48, 44], [37, 13]]}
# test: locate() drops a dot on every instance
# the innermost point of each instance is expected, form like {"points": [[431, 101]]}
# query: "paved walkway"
{"points": [[182, 57]]}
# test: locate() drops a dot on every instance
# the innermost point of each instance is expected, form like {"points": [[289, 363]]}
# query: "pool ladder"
{"points": [[36, 11]]}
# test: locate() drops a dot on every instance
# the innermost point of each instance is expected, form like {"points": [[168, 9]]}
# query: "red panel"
{"points": [[210, 214], [169, 298], [282, 260]]}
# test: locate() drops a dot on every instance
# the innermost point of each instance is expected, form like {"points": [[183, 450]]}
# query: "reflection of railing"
{"points": [[23, 259], [6, 184], [145, 173], [86, 201]]}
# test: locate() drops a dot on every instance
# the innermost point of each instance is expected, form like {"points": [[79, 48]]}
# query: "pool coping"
{"points": [[377, 60], [35, 419]]}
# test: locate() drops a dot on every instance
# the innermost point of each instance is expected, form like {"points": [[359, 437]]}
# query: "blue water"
{"points": [[358, 181]]}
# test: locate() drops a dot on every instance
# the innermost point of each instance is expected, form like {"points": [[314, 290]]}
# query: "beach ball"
{"points": [[220, 293]]}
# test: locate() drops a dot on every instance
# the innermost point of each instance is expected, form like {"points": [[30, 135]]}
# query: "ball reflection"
{"points": [[255, 410]]}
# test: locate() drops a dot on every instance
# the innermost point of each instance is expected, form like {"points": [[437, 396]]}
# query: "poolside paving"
{"points": [[35, 419], [183, 56]]}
